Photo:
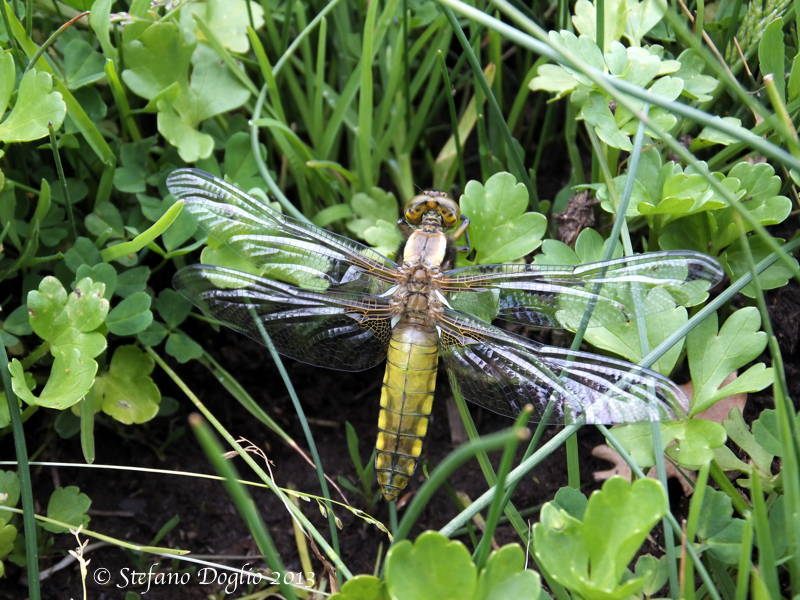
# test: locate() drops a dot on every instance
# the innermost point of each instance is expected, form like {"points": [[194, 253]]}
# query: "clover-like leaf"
{"points": [[697, 86], [37, 105], [67, 323], [172, 307], [505, 576], [362, 587], [126, 391], [736, 264], [693, 441], [709, 135], [82, 64], [376, 220], [130, 316], [713, 355], [68, 505], [500, 229], [766, 431], [432, 568], [9, 494], [83, 252], [100, 273], [590, 557], [8, 534], [717, 527], [132, 281], [370, 207], [182, 347], [230, 19], [148, 74], [614, 19], [182, 102]]}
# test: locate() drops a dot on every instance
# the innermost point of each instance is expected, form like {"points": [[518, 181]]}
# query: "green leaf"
{"points": [[172, 307], [695, 441], [794, 79], [100, 22], [8, 534], [101, 273], [9, 494], [614, 19], [148, 74], [555, 79], [68, 505], [766, 432], [230, 19], [641, 17], [771, 55], [369, 208], [126, 391], [721, 532], [590, 557], [71, 376], [130, 316], [153, 335], [432, 568], [709, 136], [362, 587], [240, 165], [697, 86], [483, 304], [192, 144], [132, 280], [384, 236], [82, 64], [654, 570], [7, 79], [505, 576], [596, 112], [736, 264], [500, 229], [182, 347], [67, 323], [83, 252], [36, 106], [714, 355]]}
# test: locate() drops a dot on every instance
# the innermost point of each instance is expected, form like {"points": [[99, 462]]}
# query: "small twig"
{"points": [[69, 559]]}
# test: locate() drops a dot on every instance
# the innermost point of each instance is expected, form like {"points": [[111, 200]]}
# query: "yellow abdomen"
{"points": [[406, 401]]}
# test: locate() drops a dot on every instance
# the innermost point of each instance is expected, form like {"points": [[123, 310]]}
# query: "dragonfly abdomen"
{"points": [[406, 401]]}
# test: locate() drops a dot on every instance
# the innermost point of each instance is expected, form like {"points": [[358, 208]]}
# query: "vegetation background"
{"points": [[581, 131]]}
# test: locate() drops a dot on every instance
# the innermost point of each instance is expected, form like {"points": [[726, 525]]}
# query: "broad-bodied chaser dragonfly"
{"points": [[326, 300]]}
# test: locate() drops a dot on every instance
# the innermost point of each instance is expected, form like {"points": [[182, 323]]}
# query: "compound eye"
{"points": [[448, 217], [413, 213]]}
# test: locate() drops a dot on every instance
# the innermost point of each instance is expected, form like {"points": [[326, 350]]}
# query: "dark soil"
{"points": [[135, 506]]}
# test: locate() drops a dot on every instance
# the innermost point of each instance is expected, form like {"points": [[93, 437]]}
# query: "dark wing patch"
{"points": [[335, 329], [503, 372]]}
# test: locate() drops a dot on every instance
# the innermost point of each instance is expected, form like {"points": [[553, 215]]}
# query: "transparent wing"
{"points": [[554, 295], [335, 329], [275, 245], [503, 372]]}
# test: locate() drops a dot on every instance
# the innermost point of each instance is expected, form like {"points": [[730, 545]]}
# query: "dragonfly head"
{"points": [[434, 208]]}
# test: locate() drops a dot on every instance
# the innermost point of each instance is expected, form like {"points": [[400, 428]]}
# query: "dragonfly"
{"points": [[329, 301]]}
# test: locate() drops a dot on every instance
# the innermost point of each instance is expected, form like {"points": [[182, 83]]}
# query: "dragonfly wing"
{"points": [[503, 372], [274, 244], [554, 295], [335, 329]]}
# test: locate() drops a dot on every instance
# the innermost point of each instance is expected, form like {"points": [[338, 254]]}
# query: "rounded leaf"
{"points": [[432, 568]]}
